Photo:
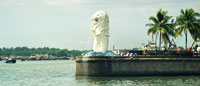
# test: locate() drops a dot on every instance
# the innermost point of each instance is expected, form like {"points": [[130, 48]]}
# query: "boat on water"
{"points": [[23, 59], [10, 60]]}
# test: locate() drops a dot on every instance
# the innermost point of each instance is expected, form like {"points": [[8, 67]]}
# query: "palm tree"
{"points": [[188, 21], [161, 26]]}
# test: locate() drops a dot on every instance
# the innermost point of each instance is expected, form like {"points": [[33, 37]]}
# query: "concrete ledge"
{"points": [[139, 66]]}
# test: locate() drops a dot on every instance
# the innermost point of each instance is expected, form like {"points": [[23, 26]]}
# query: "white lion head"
{"points": [[100, 23]]}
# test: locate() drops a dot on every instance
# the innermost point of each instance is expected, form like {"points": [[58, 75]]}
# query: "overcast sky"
{"points": [[66, 23]]}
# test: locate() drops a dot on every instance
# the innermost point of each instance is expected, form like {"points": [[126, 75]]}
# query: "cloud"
{"points": [[59, 20], [31, 6], [64, 2], [80, 5]]}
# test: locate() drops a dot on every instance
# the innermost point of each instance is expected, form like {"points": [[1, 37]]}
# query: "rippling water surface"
{"points": [[62, 73]]}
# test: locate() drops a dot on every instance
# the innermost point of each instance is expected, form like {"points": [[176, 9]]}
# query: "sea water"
{"points": [[62, 73]]}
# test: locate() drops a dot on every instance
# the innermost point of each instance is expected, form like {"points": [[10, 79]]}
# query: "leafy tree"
{"points": [[161, 26], [188, 21]]}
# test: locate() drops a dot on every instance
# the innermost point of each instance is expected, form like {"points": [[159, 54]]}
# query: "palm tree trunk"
{"points": [[156, 40], [160, 41], [186, 41]]}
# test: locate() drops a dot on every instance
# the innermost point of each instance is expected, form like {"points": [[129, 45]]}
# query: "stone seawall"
{"points": [[139, 66]]}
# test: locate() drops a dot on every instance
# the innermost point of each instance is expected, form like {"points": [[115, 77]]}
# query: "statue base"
{"points": [[136, 66], [107, 53]]}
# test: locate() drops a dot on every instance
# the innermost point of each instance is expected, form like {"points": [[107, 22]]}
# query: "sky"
{"points": [[66, 23]]}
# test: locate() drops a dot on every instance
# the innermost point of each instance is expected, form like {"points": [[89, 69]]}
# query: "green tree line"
{"points": [[25, 51]]}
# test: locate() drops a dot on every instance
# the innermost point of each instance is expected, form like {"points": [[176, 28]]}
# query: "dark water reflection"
{"points": [[62, 73], [141, 81]]}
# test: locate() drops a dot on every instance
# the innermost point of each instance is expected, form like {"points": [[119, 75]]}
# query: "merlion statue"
{"points": [[100, 31]]}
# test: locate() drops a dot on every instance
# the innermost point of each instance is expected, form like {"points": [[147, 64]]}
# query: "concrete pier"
{"points": [[137, 66]]}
